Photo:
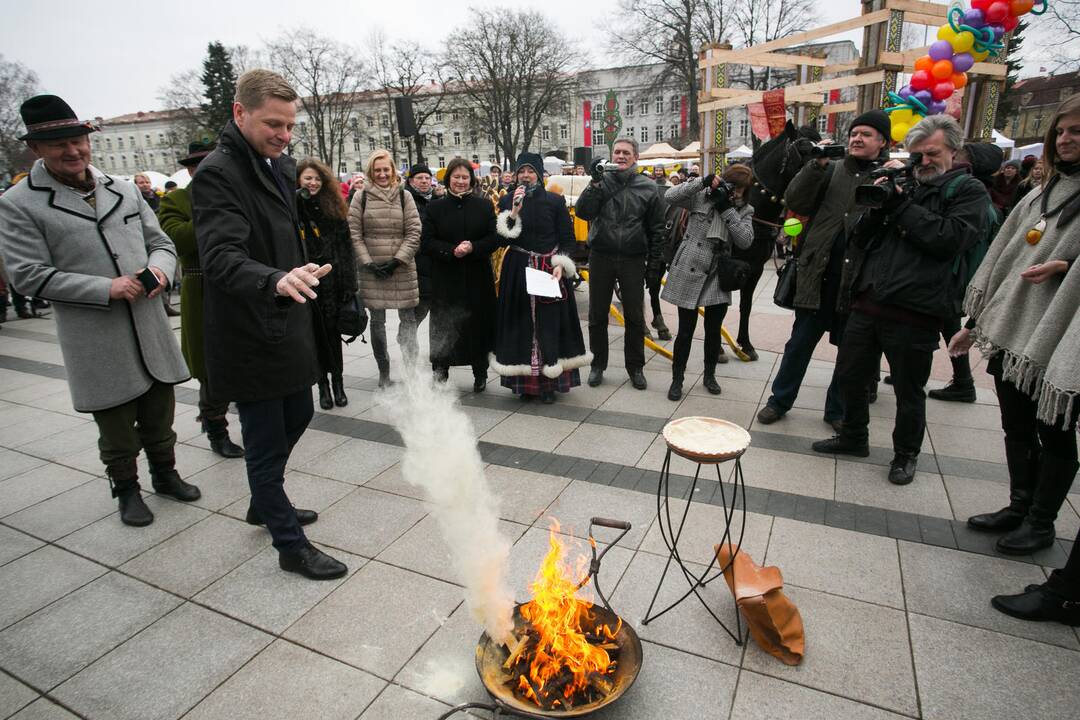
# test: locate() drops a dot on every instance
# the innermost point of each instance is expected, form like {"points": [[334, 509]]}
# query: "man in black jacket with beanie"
{"points": [[260, 326]]}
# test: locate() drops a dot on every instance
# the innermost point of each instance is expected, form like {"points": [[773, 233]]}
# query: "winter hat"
{"points": [[419, 169], [47, 117], [532, 160], [876, 119], [1014, 163], [985, 159]]}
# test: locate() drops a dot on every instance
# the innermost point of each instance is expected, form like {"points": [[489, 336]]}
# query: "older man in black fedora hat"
{"points": [[177, 222], [88, 243]]}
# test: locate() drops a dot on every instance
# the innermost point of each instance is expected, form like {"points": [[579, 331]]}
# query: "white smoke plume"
{"points": [[442, 458]]}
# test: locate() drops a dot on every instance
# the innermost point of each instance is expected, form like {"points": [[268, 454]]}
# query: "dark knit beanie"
{"points": [[877, 119], [419, 169]]}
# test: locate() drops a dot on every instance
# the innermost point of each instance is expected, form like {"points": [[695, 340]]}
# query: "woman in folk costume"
{"points": [[1024, 308], [720, 219], [538, 342]]}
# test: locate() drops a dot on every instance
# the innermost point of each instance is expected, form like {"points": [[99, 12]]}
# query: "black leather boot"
{"points": [[1039, 603], [124, 484], [325, 401], [709, 379], [166, 481], [312, 563], [1023, 461], [1036, 531], [662, 332], [304, 517], [674, 392], [217, 432], [337, 383]]}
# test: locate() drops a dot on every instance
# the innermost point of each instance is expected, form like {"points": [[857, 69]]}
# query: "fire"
{"points": [[567, 648]]}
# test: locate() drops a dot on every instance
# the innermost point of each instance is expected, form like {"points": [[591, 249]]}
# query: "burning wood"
{"points": [[564, 656]]}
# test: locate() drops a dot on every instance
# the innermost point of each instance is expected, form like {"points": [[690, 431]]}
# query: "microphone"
{"points": [[304, 193]]}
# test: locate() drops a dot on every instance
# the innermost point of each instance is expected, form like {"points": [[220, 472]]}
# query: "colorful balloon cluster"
{"points": [[967, 38]]}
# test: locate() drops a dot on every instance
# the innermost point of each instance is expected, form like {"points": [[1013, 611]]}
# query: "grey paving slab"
{"points": [[36, 424], [419, 606], [606, 444], [355, 462], [957, 586], [855, 565], [969, 497], [314, 444], [261, 593], [529, 552], [15, 544], [365, 522], [67, 512], [391, 481], [749, 390], [704, 530], [396, 702], [197, 556], [523, 496], [40, 483], [790, 472], [865, 484], [423, 549], [974, 415], [445, 667], [739, 412], [221, 484], [166, 669], [288, 681], [13, 695], [590, 397], [653, 459], [1003, 676], [582, 501], [189, 461], [688, 627], [39, 578], [111, 542], [56, 642], [652, 401], [13, 462], [761, 697], [966, 442], [482, 418], [43, 709], [853, 649], [60, 445], [807, 425], [305, 491], [530, 431]]}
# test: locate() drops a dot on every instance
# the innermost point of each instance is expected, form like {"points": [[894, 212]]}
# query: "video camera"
{"points": [[832, 151], [875, 196]]}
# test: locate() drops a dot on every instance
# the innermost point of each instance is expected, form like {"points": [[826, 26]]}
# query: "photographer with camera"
{"points": [[625, 212], [824, 190], [898, 277]]}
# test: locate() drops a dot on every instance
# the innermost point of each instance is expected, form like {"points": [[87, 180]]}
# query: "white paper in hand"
{"points": [[541, 284]]}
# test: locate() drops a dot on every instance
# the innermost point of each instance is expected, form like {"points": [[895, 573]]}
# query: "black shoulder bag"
{"points": [[784, 293]]}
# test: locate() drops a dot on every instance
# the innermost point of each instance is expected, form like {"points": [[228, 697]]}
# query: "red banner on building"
{"points": [[759, 123], [775, 111], [834, 98], [684, 112], [586, 112]]}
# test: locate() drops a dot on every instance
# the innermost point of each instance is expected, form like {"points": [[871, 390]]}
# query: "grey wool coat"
{"points": [[59, 248]]}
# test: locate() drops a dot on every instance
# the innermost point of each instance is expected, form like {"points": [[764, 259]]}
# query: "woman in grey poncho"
{"points": [[1024, 308]]}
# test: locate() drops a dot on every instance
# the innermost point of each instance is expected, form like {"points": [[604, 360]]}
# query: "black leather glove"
{"points": [[391, 265], [373, 267], [596, 170], [720, 198], [706, 182]]}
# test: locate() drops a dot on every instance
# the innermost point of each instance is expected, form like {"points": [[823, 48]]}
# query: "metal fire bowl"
{"points": [[490, 657]]}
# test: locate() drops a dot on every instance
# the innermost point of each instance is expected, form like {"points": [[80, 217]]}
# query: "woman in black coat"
{"points": [[325, 233], [459, 237], [538, 342]]}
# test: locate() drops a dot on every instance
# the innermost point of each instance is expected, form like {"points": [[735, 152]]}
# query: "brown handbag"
{"points": [[774, 621]]}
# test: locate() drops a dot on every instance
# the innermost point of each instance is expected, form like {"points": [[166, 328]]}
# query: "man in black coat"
{"points": [[421, 187], [259, 325], [625, 211], [898, 279]]}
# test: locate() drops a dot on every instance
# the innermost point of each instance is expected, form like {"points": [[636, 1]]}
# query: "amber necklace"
{"points": [[1034, 235]]}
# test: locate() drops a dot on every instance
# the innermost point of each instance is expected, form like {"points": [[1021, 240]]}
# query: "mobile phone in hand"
{"points": [[148, 279]]}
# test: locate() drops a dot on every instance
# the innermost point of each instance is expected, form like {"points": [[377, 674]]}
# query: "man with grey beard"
{"points": [[899, 283]]}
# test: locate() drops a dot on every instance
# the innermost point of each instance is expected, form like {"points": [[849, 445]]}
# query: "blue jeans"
{"points": [[807, 331], [270, 429]]}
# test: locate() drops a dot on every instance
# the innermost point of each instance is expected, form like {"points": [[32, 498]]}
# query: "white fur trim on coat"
{"points": [[502, 225], [569, 269], [549, 371]]}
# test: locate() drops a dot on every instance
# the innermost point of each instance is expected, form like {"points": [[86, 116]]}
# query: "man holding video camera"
{"points": [[625, 212], [824, 190], [898, 279]]}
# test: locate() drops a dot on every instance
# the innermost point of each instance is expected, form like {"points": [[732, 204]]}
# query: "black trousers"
{"points": [[961, 365], [746, 302], [211, 408], [654, 295], [1018, 420], [270, 429], [144, 423], [629, 272], [714, 319], [910, 352], [1066, 582]]}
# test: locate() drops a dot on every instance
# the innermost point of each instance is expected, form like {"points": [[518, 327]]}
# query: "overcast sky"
{"points": [[113, 57]]}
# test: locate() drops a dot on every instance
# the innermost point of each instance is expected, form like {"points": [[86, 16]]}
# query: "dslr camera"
{"points": [[832, 151], [901, 178]]}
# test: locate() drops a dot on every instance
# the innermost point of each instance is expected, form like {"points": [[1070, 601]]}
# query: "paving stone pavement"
{"points": [[191, 618]]}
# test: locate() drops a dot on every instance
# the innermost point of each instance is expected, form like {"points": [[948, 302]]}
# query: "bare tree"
{"points": [[761, 21], [670, 32], [17, 83], [328, 75], [405, 70], [1060, 27], [513, 67]]}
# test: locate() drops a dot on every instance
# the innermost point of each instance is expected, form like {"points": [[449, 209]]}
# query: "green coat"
{"points": [[175, 217]]}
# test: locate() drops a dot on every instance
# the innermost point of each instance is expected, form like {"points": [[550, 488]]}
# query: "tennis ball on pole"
{"points": [[793, 227]]}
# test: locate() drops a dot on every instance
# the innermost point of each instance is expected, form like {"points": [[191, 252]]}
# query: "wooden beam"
{"points": [[841, 67], [757, 58], [908, 58], [835, 29], [839, 108], [796, 93], [915, 6]]}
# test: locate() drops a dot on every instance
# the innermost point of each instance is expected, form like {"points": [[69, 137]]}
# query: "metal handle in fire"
{"points": [[594, 564]]}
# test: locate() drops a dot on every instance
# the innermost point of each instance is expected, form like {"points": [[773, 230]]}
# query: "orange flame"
{"points": [[562, 620]]}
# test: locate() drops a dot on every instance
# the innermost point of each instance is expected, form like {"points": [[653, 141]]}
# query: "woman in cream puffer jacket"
{"points": [[385, 229]]}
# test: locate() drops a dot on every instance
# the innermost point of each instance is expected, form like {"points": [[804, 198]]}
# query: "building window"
{"points": [[132, 138], [370, 121], [659, 133], [673, 131], [147, 139], [643, 105], [371, 144], [386, 142], [455, 115], [343, 167], [150, 159], [644, 134], [161, 138], [123, 161], [628, 132], [119, 143], [360, 163], [674, 104], [303, 129], [823, 123], [490, 139], [744, 127], [438, 116], [442, 159], [564, 132], [597, 137], [659, 104], [457, 137], [545, 133], [727, 128], [405, 143], [629, 108], [492, 159], [438, 140], [354, 123], [472, 138], [476, 159], [108, 144]]}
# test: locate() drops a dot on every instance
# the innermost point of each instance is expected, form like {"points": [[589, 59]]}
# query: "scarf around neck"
{"points": [[1036, 327]]}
